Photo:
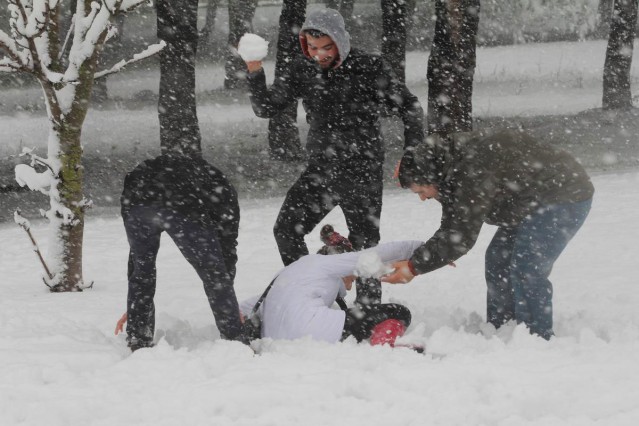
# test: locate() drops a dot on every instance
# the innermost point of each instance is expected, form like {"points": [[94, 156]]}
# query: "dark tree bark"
{"points": [[616, 77], [241, 14], [604, 13], [177, 26], [451, 66], [395, 14], [283, 135], [205, 45], [344, 7]]}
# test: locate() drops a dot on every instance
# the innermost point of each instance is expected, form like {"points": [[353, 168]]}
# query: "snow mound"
{"points": [[252, 47], [370, 265]]}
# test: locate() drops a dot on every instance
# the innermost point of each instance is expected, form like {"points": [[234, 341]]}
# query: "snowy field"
{"points": [[521, 80], [60, 363]]}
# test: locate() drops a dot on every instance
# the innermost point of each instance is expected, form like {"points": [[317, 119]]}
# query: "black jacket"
{"points": [[193, 188], [497, 178], [342, 105]]}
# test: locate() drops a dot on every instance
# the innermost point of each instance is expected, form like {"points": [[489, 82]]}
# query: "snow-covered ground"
{"points": [[60, 363]]}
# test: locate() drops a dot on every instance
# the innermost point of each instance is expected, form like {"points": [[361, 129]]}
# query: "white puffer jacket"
{"points": [[299, 303]]}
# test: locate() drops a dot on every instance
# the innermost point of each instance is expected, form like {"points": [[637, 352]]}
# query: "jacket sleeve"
{"points": [[463, 214], [398, 98], [267, 102], [341, 265]]}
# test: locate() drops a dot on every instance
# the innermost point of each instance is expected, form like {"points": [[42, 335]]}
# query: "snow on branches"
{"points": [[150, 51], [32, 40]]}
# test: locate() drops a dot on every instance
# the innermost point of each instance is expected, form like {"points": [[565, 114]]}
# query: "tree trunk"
{"points": [[345, 8], [67, 238], [67, 195], [604, 14], [177, 26], [616, 77], [205, 45], [241, 14], [110, 53], [451, 66], [283, 135], [395, 15]]}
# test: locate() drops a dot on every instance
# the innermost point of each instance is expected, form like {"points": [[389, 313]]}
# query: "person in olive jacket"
{"points": [[343, 92], [194, 203], [538, 197]]}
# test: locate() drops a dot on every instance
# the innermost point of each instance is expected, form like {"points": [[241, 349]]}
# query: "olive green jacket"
{"points": [[495, 177]]}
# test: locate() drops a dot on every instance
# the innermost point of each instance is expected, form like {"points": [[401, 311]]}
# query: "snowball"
{"points": [[370, 265], [252, 47]]}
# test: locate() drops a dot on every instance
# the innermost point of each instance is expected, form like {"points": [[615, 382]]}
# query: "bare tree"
{"points": [[604, 13], [395, 14], [204, 43], [451, 66], [283, 135], [35, 45], [177, 26], [345, 8], [241, 13], [616, 77]]}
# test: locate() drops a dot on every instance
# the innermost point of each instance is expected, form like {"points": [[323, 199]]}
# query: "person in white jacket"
{"points": [[299, 303]]}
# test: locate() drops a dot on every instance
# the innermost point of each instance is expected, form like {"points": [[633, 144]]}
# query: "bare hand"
{"points": [[119, 327], [254, 66], [396, 171], [400, 275]]}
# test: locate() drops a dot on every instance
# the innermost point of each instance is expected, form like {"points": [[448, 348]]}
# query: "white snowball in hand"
{"points": [[370, 265], [252, 47]]}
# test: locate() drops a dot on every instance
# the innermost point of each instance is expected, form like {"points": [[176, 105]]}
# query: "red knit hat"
{"points": [[334, 243]]}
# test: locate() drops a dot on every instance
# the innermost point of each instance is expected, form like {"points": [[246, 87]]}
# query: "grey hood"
{"points": [[331, 23]]}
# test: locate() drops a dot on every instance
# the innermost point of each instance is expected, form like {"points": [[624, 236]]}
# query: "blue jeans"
{"points": [[519, 261], [198, 244]]}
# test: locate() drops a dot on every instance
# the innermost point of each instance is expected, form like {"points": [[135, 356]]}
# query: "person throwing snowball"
{"points": [[343, 91]]}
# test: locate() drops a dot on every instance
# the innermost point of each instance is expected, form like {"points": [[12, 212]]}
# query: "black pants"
{"points": [[356, 187], [199, 245], [368, 311]]}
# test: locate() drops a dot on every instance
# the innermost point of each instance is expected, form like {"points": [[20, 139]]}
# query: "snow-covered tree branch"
{"points": [[148, 52]]}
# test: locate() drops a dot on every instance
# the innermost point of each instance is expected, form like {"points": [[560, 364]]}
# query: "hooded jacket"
{"points": [[331, 23], [498, 178], [191, 187], [343, 104]]}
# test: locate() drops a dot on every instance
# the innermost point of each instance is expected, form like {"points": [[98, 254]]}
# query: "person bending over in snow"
{"points": [[298, 304], [197, 207], [343, 91], [537, 195]]}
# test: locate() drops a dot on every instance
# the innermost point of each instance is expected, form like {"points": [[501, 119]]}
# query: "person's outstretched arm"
{"points": [[268, 102]]}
